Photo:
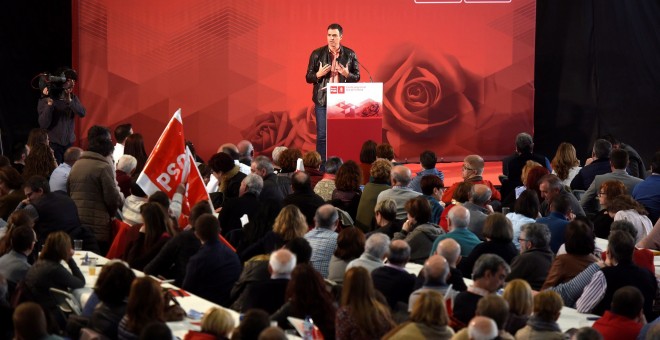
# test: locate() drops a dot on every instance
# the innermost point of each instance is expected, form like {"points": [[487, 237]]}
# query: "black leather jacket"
{"points": [[322, 54]]}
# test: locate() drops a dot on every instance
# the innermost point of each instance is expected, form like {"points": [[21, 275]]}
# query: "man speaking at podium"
{"points": [[333, 63]]}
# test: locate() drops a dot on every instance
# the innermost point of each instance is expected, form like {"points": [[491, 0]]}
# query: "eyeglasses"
{"points": [[520, 240], [601, 194]]}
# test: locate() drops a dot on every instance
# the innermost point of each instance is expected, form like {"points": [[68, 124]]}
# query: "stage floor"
{"points": [[453, 171]]}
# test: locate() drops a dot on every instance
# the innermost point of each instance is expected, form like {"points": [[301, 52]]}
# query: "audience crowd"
{"points": [[338, 242]]}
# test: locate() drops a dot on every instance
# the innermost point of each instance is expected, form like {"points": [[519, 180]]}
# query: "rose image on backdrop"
{"points": [[430, 102]]}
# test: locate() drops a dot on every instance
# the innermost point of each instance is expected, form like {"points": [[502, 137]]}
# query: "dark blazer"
{"points": [[505, 250], [307, 202], [234, 208], [267, 295], [211, 272], [172, 259], [586, 175], [271, 190], [234, 186], [514, 171], [57, 212], [395, 284], [532, 266]]}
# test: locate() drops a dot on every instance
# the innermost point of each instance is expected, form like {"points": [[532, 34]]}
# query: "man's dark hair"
{"points": [[428, 159], [619, 158], [611, 138], [602, 149], [561, 204], [122, 131], [338, 27], [627, 301], [524, 143], [488, 263], [199, 209], [655, 163], [101, 145], [98, 131], [300, 182], [231, 152], [19, 151], [430, 182], [37, 182], [621, 246], [22, 238], [301, 248], [253, 323], [114, 283], [527, 204], [207, 227], [333, 163]]}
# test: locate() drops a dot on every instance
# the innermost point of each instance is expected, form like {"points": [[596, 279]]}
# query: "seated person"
{"points": [[535, 259], [626, 317]]}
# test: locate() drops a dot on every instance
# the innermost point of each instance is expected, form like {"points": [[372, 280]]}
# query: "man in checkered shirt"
{"points": [[323, 238]]}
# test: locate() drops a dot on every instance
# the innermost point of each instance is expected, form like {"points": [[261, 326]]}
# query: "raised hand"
{"points": [[323, 70]]}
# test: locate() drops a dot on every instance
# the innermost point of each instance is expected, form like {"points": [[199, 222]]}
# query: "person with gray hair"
{"points": [[385, 216], [400, 192], [436, 273], [458, 220], [246, 204], [126, 165], [376, 250], [598, 164], [271, 190], [277, 151], [550, 187], [482, 328], [392, 279], [479, 207], [535, 259], [269, 295], [473, 169], [323, 238], [488, 276], [59, 176], [524, 153], [326, 185]]}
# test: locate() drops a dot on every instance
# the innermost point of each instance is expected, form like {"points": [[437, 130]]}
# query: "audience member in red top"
{"points": [[367, 157], [473, 168], [626, 318]]}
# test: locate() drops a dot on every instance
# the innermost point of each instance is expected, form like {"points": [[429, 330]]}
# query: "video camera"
{"points": [[55, 84]]}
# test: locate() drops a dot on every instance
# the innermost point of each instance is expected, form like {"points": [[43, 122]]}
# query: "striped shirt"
{"points": [[572, 290]]}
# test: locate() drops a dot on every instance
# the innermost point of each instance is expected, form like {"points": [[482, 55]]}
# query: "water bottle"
{"points": [[308, 328]]}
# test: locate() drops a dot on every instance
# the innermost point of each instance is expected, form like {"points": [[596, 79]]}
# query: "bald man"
{"points": [[245, 152], [392, 279], [473, 169], [400, 192], [451, 251], [269, 295], [323, 238], [482, 328], [436, 273], [458, 220]]}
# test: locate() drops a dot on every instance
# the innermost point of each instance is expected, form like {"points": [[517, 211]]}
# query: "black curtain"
{"points": [[35, 37], [597, 71]]}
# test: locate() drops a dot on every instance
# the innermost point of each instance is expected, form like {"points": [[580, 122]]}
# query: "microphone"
{"points": [[371, 80]]}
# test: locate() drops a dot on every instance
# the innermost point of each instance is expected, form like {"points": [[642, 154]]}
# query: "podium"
{"points": [[354, 115]]}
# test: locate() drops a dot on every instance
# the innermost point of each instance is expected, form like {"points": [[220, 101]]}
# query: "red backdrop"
{"points": [[458, 78]]}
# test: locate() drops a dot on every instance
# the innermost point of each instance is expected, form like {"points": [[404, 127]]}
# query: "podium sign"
{"points": [[354, 115]]}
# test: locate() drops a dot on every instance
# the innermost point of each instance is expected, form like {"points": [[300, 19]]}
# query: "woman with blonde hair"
{"points": [[518, 293], [543, 323], [48, 272], [565, 163], [361, 315], [290, 223], [428, 320], [217, 323], [145, 306]]}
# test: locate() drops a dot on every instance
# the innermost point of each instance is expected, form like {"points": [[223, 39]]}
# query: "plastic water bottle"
{"points": [[308, 328]]}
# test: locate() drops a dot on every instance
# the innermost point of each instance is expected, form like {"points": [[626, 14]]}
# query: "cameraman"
{"points": [[57, 109]]}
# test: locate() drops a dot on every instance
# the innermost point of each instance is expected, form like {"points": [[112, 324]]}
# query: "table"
{"points": [[180, 328]]}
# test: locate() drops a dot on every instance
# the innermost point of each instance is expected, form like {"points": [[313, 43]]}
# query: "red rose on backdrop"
{"points": [[282, 128], [426, 102]]}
